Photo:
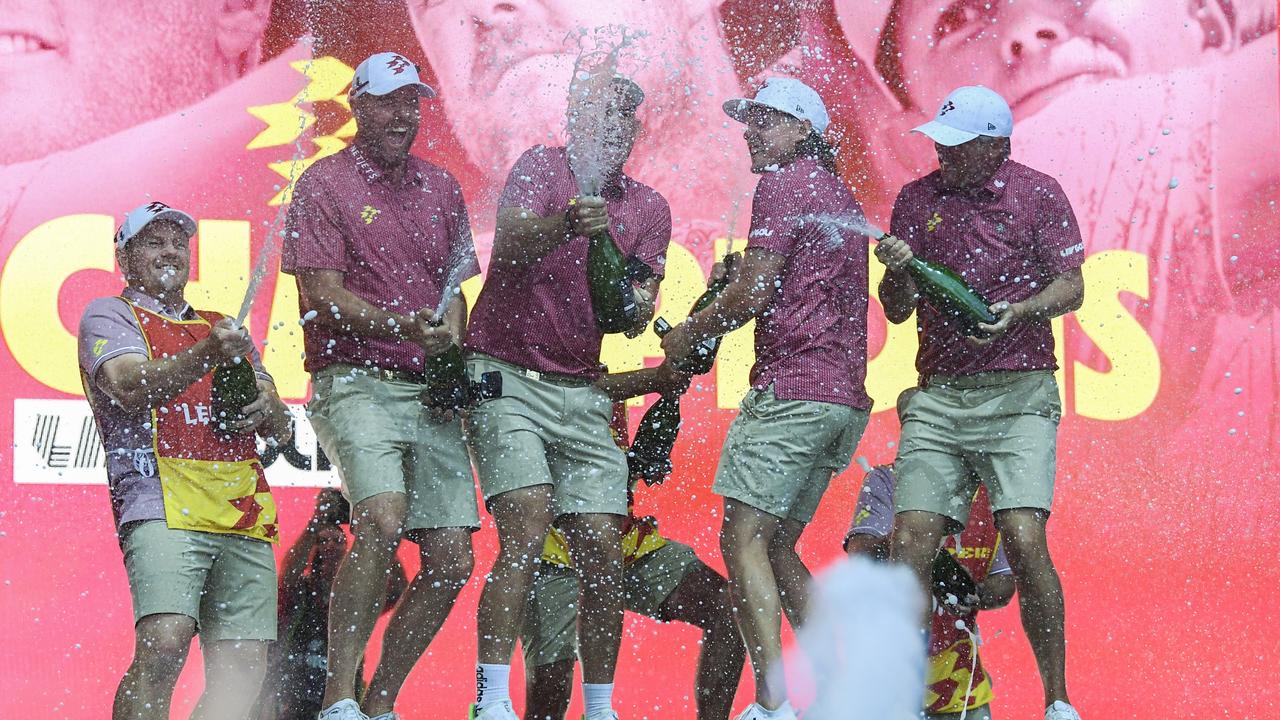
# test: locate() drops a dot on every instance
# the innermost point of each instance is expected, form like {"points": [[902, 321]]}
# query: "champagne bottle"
{"points": [[704, 355], [234, 385], [649, 456], [650, 453], [612, 297], [448, 387], [951, 295], [950, 578]]}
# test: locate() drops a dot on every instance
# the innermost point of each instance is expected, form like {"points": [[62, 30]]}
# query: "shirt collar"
{"points": [[150, 304], [373, 174]]}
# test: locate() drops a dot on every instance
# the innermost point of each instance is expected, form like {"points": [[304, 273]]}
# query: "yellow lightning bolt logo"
{"points": [[327, 79], [369, 214], [934, 222]]}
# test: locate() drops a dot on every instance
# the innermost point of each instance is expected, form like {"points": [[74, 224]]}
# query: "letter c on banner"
{"points": [[29, 288]]}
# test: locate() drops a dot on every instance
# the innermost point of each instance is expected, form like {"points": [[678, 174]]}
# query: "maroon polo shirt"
{"points": [[539, 316], [1008, 239], [811, 341], [392, 242]]}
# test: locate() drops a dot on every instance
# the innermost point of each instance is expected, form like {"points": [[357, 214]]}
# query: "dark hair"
{"points": [[815, 146]]}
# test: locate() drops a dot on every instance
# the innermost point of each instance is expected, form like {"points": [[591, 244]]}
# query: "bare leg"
{"points": [[1039, 595], [595, 541], [447, 562], [523, 517], [792, 576], [360, 589], [161, 644], [917, 534], [702, 599], [233, 672], [548, 690], [745, 537]]}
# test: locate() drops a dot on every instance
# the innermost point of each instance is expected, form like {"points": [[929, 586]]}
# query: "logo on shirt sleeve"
{"points": [[1069, 251], [369, 214], [99, 346]]}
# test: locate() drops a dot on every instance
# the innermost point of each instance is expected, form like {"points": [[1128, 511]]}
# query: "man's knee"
{"points": [[162, 643], [380, 520], [451, 567], [916, 536]]}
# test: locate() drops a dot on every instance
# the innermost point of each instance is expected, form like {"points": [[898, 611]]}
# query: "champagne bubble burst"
{"points": [[836, 227], [594, 139]]}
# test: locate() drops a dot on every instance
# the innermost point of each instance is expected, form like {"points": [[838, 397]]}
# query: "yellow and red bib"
{"points": [[211, 483], [952, 652]]}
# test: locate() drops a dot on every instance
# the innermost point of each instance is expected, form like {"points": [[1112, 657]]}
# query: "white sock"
{"points": [[596, 698], [492, 684]]}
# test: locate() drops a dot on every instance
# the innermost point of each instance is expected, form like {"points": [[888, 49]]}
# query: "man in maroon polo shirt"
{"points": [[543, 450], [804, 281], [375, 236], [987, 406]]}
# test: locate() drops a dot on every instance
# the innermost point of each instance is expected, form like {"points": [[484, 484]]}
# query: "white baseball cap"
{"points": [[785, 95], [386, 72], [143, 215], [968, 112]]}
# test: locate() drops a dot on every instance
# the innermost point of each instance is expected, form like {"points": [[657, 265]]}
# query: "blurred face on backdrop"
{"points": [[503, 67], [74, 71], [1032, 50]]}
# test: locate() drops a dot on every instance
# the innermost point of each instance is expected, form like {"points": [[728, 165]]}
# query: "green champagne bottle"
{"points": [[612, 297], [447, 382], [950, 578], [951, 295], [234, 386], [704, 355], [650, 454]]}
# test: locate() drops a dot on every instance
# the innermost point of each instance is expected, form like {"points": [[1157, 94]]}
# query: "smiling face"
{"points": [[157, 261], [1031, 50], [492, 59], [386, 125], [772, 137]]}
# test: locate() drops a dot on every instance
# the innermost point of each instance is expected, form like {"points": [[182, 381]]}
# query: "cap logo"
{"points": [[947, 107], [360, 85], [991, 126], [398, 64], [156, 208]]}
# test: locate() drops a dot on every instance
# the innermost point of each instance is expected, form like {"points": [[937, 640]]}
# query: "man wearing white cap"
{"points": [[804, 281], [987, 405], [192, 508], [375, 237]]}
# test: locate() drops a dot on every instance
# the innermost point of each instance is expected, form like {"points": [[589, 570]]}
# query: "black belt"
{"points": [[388, 375]]}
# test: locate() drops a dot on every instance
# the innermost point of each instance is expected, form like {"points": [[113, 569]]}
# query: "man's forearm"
{"points": [[738, 305], [1062, 295], [139, 386], [898, 295], [339, 309], [633, 383], [455, 318], [522, 237]]}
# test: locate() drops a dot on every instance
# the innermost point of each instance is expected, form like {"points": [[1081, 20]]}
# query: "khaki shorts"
{"points": [[780, 455], [382, 439], [997, 428], [550, 632], [226, 583], [547, 432]]}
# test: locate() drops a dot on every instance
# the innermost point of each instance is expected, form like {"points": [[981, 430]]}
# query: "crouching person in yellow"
{"points": [[192, 507]]}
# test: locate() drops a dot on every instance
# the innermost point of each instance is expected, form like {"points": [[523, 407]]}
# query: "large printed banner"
{"points": [[1160, 119]]}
